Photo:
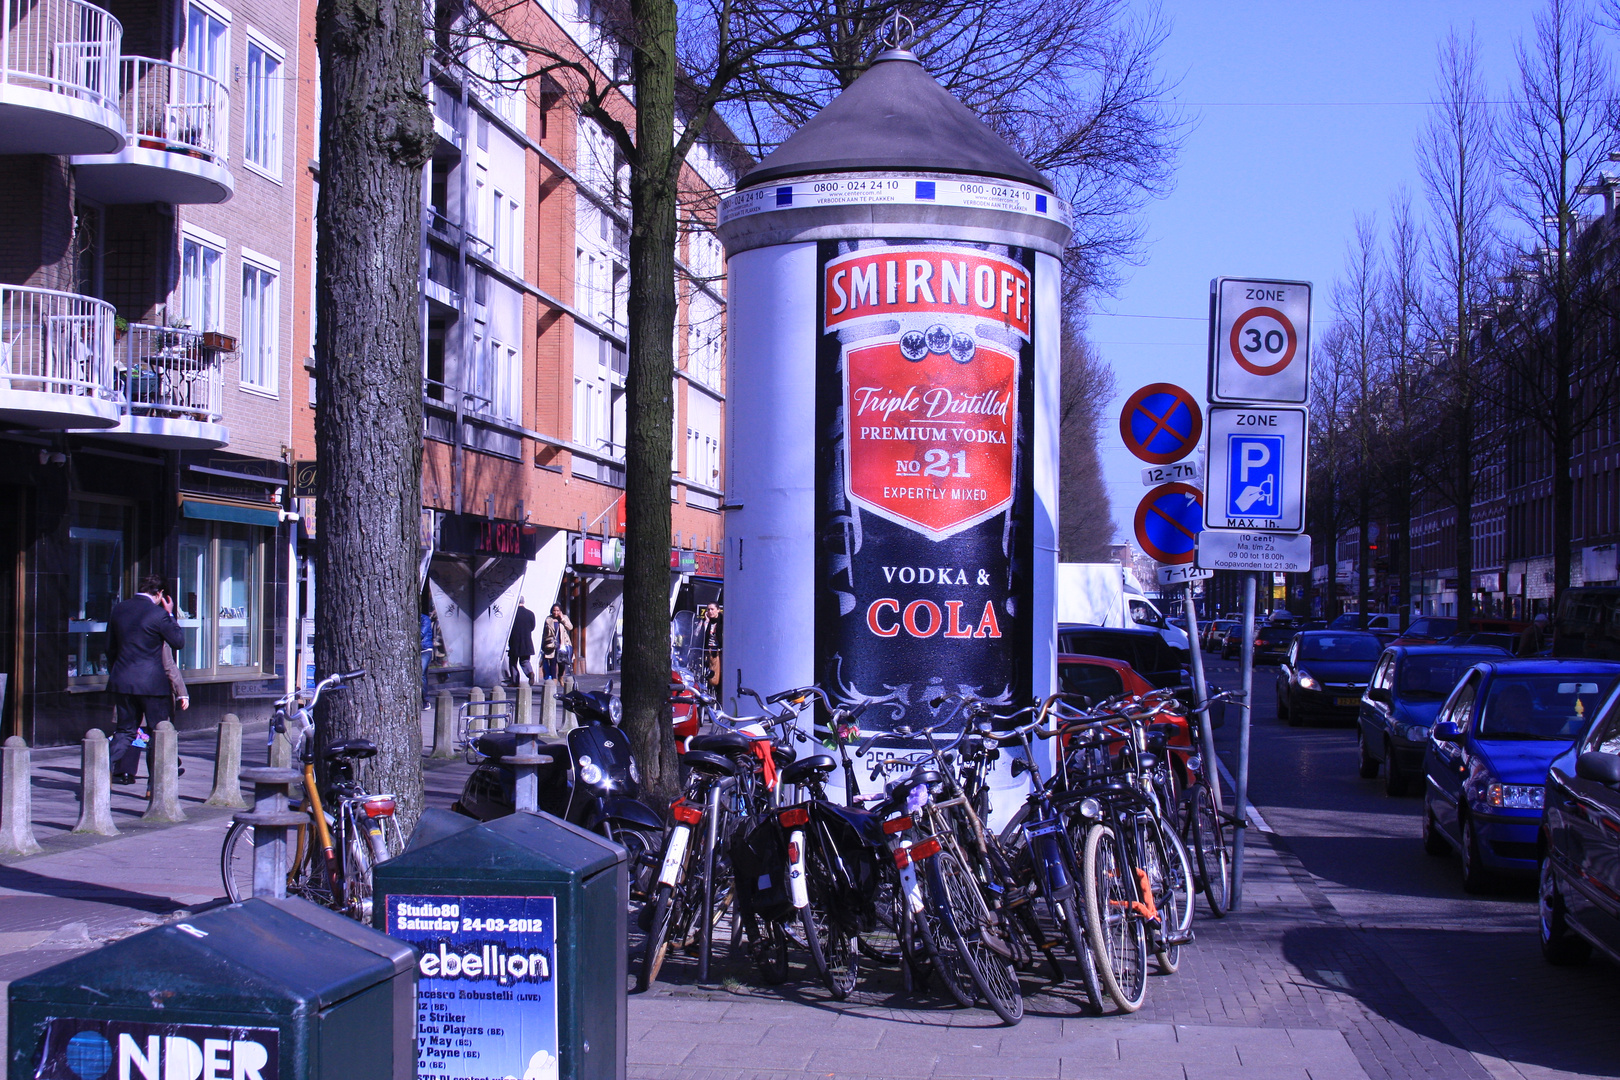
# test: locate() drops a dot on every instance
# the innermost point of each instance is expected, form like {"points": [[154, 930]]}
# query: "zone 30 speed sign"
{"points": [[1261, 341]]}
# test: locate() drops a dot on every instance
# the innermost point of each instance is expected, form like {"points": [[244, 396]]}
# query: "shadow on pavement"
{"points": [[26, 881]]}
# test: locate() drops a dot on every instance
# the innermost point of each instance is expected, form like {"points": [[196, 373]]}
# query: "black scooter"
{"points": [[595, 785]]}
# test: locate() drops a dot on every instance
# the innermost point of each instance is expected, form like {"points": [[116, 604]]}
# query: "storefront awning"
{"points": [[241, 514]]}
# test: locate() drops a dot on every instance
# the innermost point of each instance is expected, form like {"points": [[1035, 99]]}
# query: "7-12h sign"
{"points": [[1259, 341]]}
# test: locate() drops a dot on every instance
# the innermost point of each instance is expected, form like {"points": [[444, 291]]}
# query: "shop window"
{"points": [[98, 578], [219, 605]]}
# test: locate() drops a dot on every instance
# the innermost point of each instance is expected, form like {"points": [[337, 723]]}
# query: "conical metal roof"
{"points": [[895, 116]]}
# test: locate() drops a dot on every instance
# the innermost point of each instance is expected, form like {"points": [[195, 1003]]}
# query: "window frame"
{"points": [[262, 265], [215, 302], [209, 625], [273, 112], [131, 510]]}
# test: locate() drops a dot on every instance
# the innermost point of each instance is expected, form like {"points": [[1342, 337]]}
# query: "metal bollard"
{"points": [[526, 763], [17, 800], [499, 716], [523, 713], [444, 725], [228, 766], [165, 804], [271, 819], [548, 707], [95, 787]]}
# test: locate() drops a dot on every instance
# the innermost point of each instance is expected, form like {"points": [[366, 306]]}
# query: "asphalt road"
{"points": [[1472, 960]]}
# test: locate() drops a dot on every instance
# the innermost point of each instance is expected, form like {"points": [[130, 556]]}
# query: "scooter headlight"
{"points": [[591, 773], [635, 773], [615, 711]]}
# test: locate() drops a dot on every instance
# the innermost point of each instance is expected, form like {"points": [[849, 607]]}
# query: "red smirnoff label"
{"points": [[926, 281]]}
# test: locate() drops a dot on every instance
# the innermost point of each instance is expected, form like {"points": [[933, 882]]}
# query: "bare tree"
{"points": [[1085, 524], [376, 134], [1455, 162], [1329, 503], [1400, 326], [1355, 303], [1557, 135]]}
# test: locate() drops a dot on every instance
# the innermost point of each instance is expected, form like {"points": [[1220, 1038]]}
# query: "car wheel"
{"points": [[1293, 716], [1367, 766], [1559, 944], [1282, 705], [1477, 877], [1434, 841], [1394, 779]]}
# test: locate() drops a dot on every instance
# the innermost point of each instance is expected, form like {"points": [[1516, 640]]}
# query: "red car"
{"points": [[1098, 677]]}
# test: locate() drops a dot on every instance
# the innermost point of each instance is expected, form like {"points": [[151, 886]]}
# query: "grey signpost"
{"points": [[1255, 453]]}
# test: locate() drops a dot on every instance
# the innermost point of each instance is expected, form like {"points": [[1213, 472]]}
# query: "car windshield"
{"points": [[1340, 647], [1433, 628], [1552, 707], [1276, 633], [1090, 680], [1431, 678]]}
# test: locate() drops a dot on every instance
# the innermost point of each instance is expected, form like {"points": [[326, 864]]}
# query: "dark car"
{"points": [[1488, 756], [1580, 838], [1428, 630], [1587, 623], [1215, 633], [1271, 642], [1324, 673], [1144, 650], [1408, 687], [1508, 643]]}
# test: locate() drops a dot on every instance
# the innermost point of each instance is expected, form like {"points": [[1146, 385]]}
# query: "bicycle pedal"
{"points": [[995, 944], [1185, 938]]}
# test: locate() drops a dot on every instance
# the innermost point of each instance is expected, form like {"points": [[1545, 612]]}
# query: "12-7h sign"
{"points": [[1256, 470]]}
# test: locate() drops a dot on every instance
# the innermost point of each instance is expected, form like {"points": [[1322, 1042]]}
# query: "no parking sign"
{"points": [[1168, 521]]}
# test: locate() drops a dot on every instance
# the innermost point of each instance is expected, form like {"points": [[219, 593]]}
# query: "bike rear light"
{"points": [[381, 806], [798, 815], [897, 825], [793, 853], [685, 813], [901, 859], [926, 849]]}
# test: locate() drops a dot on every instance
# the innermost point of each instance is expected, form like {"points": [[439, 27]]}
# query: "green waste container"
{"points": [[261, 990], [521, 925]]}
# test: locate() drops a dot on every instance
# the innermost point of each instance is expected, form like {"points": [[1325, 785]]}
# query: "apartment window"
{"points": [[98, 577], [260, 328], [702, 458], [508, 229], [202, 284], [208, 51], [219, 602], [704, 358], [261, 141], [508, 380]]}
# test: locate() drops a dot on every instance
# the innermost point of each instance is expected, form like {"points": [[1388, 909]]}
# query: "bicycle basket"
{"points": [[759, 864]]}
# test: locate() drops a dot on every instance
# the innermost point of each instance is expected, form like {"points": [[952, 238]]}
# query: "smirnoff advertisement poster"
{"points": [[925, 385]]}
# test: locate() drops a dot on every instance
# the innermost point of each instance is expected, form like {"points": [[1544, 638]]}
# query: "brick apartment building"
{"points": [[146, 318]]}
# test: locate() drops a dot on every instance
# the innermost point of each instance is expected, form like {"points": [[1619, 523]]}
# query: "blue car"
{"points": [[1408, 687], [1489, 750]]}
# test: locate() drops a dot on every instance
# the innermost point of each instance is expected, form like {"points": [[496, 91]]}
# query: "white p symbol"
{"points": [[1252, 456]]}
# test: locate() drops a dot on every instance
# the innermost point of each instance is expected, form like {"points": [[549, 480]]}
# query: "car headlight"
{"points": [[1412, 732], [591, 773], [1515, 796], [1308, 681]]}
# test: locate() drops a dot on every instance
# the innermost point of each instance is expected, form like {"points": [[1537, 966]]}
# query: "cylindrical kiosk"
{"points": [[894, 290]]}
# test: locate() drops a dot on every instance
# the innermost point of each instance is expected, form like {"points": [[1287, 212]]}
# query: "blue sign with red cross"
{"points": [[1168, 521], [1161, 423]]}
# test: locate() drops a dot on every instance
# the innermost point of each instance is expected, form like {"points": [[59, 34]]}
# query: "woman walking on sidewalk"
{"points": [[556, 646]]}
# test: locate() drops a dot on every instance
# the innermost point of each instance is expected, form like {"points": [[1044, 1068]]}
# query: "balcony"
{"points": [[56, 352], [58, 65], [169, 380], [175, 150]]}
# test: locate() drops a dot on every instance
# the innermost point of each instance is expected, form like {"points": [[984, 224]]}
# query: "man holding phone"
{"points": [[137, 630]]}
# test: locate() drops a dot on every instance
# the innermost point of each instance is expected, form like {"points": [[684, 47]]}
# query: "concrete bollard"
{"points": [[165, 804], [279, 755], [499, 716], [228, 766], [17, 800], [523, 712], [270, 819], [548, 707], [477, 714], [95, 787], [444, 725]]}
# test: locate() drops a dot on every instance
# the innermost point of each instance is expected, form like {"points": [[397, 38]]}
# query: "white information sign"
{"points": [[1175, 575], [1230, 549], [1260, 350], [1256, 462], [869, 189], [1186, 472]]}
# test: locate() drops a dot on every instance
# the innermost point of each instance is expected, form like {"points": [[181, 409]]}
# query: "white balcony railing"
{"points": [[64, 47], [165, 371], [55, 343], [169, 107]]}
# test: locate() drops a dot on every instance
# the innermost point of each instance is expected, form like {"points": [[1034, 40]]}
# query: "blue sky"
{"points": [[1303, 117]]}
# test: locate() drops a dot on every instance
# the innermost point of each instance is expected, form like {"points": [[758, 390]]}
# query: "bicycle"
{"points": [[350, 830]]}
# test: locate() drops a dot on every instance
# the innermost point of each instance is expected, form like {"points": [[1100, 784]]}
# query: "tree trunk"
{"points": [[1364, 556], [376, 132], [1563, 437], [650, 402], [1464, 536]]}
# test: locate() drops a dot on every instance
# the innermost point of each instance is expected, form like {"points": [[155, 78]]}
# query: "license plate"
{"points": [[1347, 702]]}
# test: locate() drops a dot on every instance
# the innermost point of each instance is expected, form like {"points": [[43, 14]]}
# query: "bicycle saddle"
{"points": [[709, 764], [921, 775], [727, 743], [350, 748], [783, 756], [811, 768]]}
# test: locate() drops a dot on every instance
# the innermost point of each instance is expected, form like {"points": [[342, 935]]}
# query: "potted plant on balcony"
{"points": [[120, 327], [218, 341]]}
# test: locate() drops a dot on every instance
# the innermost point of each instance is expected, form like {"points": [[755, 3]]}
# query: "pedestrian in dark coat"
{"points": [[520, 644], [137, 630]]}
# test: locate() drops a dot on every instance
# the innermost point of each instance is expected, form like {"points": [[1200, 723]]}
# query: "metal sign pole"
{"points": [[1210, 772], [1241, 810]]}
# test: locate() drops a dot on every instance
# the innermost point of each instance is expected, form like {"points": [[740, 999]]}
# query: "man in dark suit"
{"points": [[520, 644], [137, 630]]}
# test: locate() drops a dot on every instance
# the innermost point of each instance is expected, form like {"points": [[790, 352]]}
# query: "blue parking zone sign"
{"points": [[1255, 476]]}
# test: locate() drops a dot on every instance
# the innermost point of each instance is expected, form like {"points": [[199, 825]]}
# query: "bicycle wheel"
{"points": [[236, 867], [643, 848], [657, 937], [968, 924], [1170, 873], [1073, 931], [1210, 852], [834, 949], [1117, 937]]}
